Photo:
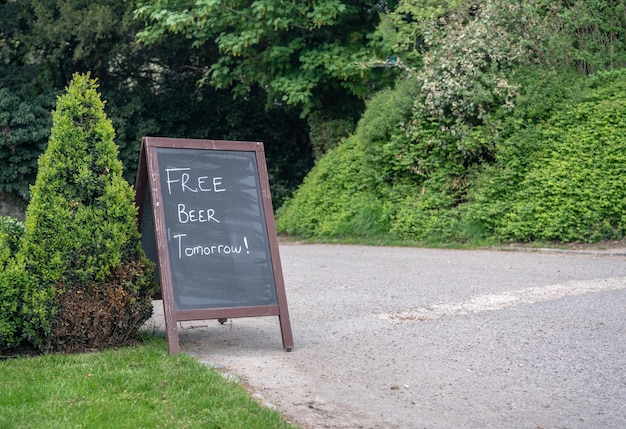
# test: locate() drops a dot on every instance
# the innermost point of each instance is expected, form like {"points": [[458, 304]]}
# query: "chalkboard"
{"points": [[206, 219]]}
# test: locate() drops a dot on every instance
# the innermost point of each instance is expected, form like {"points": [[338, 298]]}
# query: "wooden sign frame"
{"points": [[149, 188]]}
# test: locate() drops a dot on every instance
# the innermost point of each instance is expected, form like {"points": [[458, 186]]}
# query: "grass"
{"points": [[473, 244], [391, 241], [132, 387]]}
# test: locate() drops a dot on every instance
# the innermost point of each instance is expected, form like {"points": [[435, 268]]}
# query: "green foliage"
{"points": [[404, 27], [461, 132], [150, 90], [558, 173], [326, 133], [296, 50], [517, 142], [11, 231], [348, 191], [463, 86], [77, 34], [25, 128], [426, 216], [470, 58], [490, 136], [382, 131], [13, 281], [307, 56], [81, 243], [598, 33], [574, 189], [334, 200]]}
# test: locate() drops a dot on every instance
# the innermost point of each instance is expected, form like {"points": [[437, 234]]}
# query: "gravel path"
{"points": [[390, 337]]}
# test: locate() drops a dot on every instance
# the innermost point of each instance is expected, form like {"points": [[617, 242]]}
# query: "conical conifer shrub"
{"points": [[90, 284]]}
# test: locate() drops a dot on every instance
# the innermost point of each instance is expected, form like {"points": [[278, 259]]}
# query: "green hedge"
{"points": [[334, 200], [557, 172], [573, 188], [79, 279]]}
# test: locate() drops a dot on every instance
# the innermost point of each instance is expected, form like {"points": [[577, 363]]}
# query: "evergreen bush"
{"points": [[88, 282], [11, 231]]}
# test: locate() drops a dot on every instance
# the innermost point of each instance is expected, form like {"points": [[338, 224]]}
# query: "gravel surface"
{"points": [[389, 337]]}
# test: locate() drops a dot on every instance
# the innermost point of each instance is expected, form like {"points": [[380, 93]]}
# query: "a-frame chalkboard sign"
{"points": [[206, 217]]}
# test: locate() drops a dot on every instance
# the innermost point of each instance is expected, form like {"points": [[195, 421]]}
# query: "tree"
{"points": [[150, 90], [598, 32], [24, 107], [297, 51], [89, 284], [463, 57], [304, 54]]}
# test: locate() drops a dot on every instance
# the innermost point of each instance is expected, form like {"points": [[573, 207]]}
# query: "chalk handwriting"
{"points": [[180, 179], [191, 215], [207, 250]]}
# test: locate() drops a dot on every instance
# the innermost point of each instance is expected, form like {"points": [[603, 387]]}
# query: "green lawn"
{"points": [[133, 387]]}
